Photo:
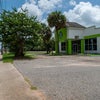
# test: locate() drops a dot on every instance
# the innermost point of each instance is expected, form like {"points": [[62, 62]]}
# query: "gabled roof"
{"points": [[74, 24]]}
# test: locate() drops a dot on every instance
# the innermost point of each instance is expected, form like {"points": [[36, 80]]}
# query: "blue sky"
{"points": [[8, 4], [85, 12]]}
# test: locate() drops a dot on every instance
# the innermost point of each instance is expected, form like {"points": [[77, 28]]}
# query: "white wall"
{"points": [[91, 31], [72, 32], [98, 45], [59, 46]]}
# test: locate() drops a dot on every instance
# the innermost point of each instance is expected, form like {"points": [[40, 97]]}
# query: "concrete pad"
{"points": [[14, 87]]}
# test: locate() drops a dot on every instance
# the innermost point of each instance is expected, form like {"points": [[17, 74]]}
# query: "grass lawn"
{"points": [[93, 54], [36, 52], [9, 57]]}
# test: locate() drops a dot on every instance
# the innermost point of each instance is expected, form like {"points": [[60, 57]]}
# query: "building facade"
{"points": [[76, 38]]}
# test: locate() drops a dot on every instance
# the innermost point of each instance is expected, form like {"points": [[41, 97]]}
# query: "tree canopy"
{"points": [[46, 35], [16, 29], [56, 19]]}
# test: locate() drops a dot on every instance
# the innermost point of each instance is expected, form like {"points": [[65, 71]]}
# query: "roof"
{"points": [[74, 24]]}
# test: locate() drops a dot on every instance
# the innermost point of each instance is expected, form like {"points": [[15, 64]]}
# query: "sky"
{"points": [[84, 12]]}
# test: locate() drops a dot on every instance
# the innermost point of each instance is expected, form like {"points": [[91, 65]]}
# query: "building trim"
{"points": [[92, 36], [82, 46], [69, 46]]}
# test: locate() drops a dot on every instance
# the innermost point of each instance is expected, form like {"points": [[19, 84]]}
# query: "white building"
{"points": [[78, 39]]}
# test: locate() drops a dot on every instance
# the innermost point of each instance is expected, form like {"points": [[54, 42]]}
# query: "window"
{"points": [[60, 34], [63, 46], [91, 44]]}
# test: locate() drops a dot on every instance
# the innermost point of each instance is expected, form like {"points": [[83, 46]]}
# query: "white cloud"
{"points": [[40, 7], [32, 9], [72, 2], [85, 13], [46, 5]]}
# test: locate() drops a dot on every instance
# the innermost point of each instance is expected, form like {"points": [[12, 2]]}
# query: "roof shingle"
{"points": [[74, 24]]}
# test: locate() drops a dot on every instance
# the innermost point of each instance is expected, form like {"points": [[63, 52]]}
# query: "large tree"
{"points": [[46, 35], [58, 20], [16, 29]]}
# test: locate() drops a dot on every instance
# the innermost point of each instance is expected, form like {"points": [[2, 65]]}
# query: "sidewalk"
{"points": [[14, 87]]}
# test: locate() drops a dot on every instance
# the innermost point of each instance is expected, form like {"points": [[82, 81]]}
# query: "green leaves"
{"points": [[56, 19], [16, 28]]}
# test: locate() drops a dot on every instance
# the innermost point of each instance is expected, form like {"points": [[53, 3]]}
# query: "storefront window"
{"points": [[91, 44], [63, 46]]}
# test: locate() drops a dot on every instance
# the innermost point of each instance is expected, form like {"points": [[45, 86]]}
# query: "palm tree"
{"points": [[58, 20]]}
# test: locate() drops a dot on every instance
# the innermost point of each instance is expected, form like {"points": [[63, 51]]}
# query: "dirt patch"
{"points": [[36, 93]]}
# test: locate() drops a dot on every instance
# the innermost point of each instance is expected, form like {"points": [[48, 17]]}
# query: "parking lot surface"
{"points": [[64, 77]]}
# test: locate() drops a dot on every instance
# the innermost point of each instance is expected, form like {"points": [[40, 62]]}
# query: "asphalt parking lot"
{"points": [[64, 77]]}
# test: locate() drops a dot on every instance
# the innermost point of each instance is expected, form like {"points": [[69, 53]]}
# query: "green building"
{"points": [[76, 38]]}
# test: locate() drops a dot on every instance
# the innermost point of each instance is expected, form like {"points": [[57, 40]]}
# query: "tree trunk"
{"points": [[20, 49], [2, 49], [19, 53]]}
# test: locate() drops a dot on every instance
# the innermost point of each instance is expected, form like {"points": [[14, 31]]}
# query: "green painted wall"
{"points": [[66, 46], [62, 34], [92, 36], [56, 43], [69, 46], [82, 45]]}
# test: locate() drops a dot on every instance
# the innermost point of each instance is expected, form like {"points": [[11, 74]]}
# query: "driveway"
{"points": [[64, 77]]}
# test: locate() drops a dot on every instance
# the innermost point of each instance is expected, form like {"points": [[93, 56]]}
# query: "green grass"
{"points": [[31, 86], [93, 54], [8, 58], [30, 55], [27, 56], [36, 52]]}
